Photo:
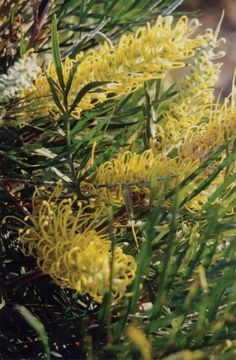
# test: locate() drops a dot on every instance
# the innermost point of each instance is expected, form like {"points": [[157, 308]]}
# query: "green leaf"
{"points": [[71, 77], [84, 90], [171, 7], [53, 87], [169, 267], [23, 46], [56, 53], [220, 190], [36, 324]]}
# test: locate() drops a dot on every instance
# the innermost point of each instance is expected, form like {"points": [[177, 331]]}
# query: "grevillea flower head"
{"points": [[149, 53], [135, 171], [203, 71], [195, 93], [61, 234]]}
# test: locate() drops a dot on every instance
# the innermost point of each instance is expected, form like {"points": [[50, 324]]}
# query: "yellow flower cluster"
{"points": [[132, 171], [61, 234], [149, 53]]}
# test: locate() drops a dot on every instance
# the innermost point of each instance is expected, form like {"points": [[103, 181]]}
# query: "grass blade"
{"points": [[37, 326]]}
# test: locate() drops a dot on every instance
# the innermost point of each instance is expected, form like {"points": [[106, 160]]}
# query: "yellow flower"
{"points": [[195, 95], [149, 53], [61, 234]]}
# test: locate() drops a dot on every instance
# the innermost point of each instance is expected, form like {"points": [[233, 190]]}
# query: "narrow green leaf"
{"points": [[56, 53], [84, 90], [220, 190], [23, 46], [167, 272], [36, 324], [212, 219], [171, 7], [71, 77], [91, 134], [55, 94]]}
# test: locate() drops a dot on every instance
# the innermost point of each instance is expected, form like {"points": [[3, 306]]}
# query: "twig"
{"points": [[136, 183], [19, 204], [21, 280], [70, 185]]}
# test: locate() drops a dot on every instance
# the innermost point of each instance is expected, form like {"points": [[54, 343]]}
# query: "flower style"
{"points": [[62, 236], [148, 54]]}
